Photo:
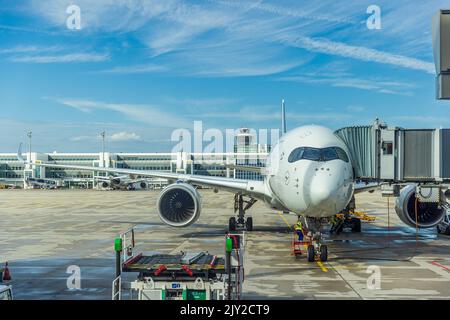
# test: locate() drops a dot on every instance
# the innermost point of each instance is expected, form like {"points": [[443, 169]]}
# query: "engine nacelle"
{"points": [[143, 185], [115, 181], [429, 214], [179, 205], [104, 184]]}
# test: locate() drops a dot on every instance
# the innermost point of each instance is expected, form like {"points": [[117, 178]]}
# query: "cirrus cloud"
{"points": [[125, 136]]}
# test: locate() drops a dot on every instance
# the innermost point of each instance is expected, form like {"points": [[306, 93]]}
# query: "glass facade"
{"points": [[11, 170]]}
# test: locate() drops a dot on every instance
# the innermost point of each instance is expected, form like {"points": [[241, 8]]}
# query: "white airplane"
{"points": [[41, 183], [121, 182], [308, 173]]}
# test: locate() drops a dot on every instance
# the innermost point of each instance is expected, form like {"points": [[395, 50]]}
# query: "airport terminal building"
{"points": [[246, 152]]}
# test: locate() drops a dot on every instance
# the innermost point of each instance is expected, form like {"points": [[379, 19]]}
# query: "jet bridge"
{"points": [[413, 165], [380, 153]]}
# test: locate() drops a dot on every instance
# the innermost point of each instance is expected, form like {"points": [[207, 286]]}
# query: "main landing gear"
{"points": [[345, 221], [241, 205]]}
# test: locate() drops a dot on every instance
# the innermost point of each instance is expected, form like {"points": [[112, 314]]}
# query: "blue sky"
{"points": [[140, 69]]}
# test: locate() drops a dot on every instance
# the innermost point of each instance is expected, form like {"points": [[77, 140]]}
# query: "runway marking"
{"points": [[321, 265], [284, 219], [432, 267], [440, 265], [345, 281]]}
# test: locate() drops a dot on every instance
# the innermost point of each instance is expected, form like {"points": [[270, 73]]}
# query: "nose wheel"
{"points": [[241, 205], [315, 250]]}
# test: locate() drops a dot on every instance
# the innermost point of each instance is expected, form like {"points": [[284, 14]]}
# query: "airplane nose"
{"points": [[320, 194]]}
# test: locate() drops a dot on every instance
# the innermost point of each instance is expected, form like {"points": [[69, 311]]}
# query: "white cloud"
{"points": [[309, 13], [150, 68], [346, 80], [64, 58], [151, 115], [104, 15], [81, 138], [326, 46], [267, 114], [221, 38], [29, 49], [125, 136]]}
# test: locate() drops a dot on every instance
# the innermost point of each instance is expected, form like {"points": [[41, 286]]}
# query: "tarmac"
{"points": [[46, 234]]}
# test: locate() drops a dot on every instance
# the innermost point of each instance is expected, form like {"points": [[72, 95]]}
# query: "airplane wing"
{"points": [[139, 180], [245, 168], [102, 178], [363, 187], [252, 188]]}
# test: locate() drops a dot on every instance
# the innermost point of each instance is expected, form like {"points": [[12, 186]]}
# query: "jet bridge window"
{"points": [[316, 154], [388, 148]]}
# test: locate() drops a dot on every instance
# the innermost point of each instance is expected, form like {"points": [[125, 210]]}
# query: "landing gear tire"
{"points": [[339, 228], [311, 254], [249, 224], [323, 253], [356, 225], [232, 224]]}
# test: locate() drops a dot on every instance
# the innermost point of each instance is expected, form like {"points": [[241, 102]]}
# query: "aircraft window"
{"points": [[311, 154], [315, 154], [296, 155], [342, 154], [329, 154]]}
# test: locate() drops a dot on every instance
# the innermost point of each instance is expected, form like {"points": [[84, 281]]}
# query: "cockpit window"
{"points": [[329, 154], [342, 154], [311, 154], [296, 154], [316, 154]]}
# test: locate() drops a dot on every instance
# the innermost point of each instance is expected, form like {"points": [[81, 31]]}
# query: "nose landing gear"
{"points": [[317, 251], [241, 223], [312, 240]]}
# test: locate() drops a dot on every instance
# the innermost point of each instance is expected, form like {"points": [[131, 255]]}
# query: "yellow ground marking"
{"points": [[322, 267], [284, 219]]}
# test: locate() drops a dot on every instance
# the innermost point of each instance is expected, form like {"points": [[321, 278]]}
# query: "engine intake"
{"points": [[179, 205], [105, 184], [429, 214], [116, 181]]}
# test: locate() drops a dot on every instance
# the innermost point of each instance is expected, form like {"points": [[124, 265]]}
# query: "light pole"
{"points": [[29, 134], [103, 134]]}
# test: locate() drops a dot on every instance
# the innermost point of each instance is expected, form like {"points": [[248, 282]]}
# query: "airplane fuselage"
{"points": [[309, 172]]}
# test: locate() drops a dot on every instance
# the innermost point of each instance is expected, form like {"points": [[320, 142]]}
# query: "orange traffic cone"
{"points": [[6, 274]]}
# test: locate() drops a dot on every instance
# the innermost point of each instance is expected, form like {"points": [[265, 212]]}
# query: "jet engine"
{"points": [[104, 184], [179, 205], [115, 181], [429, 214], [143, 185]]}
